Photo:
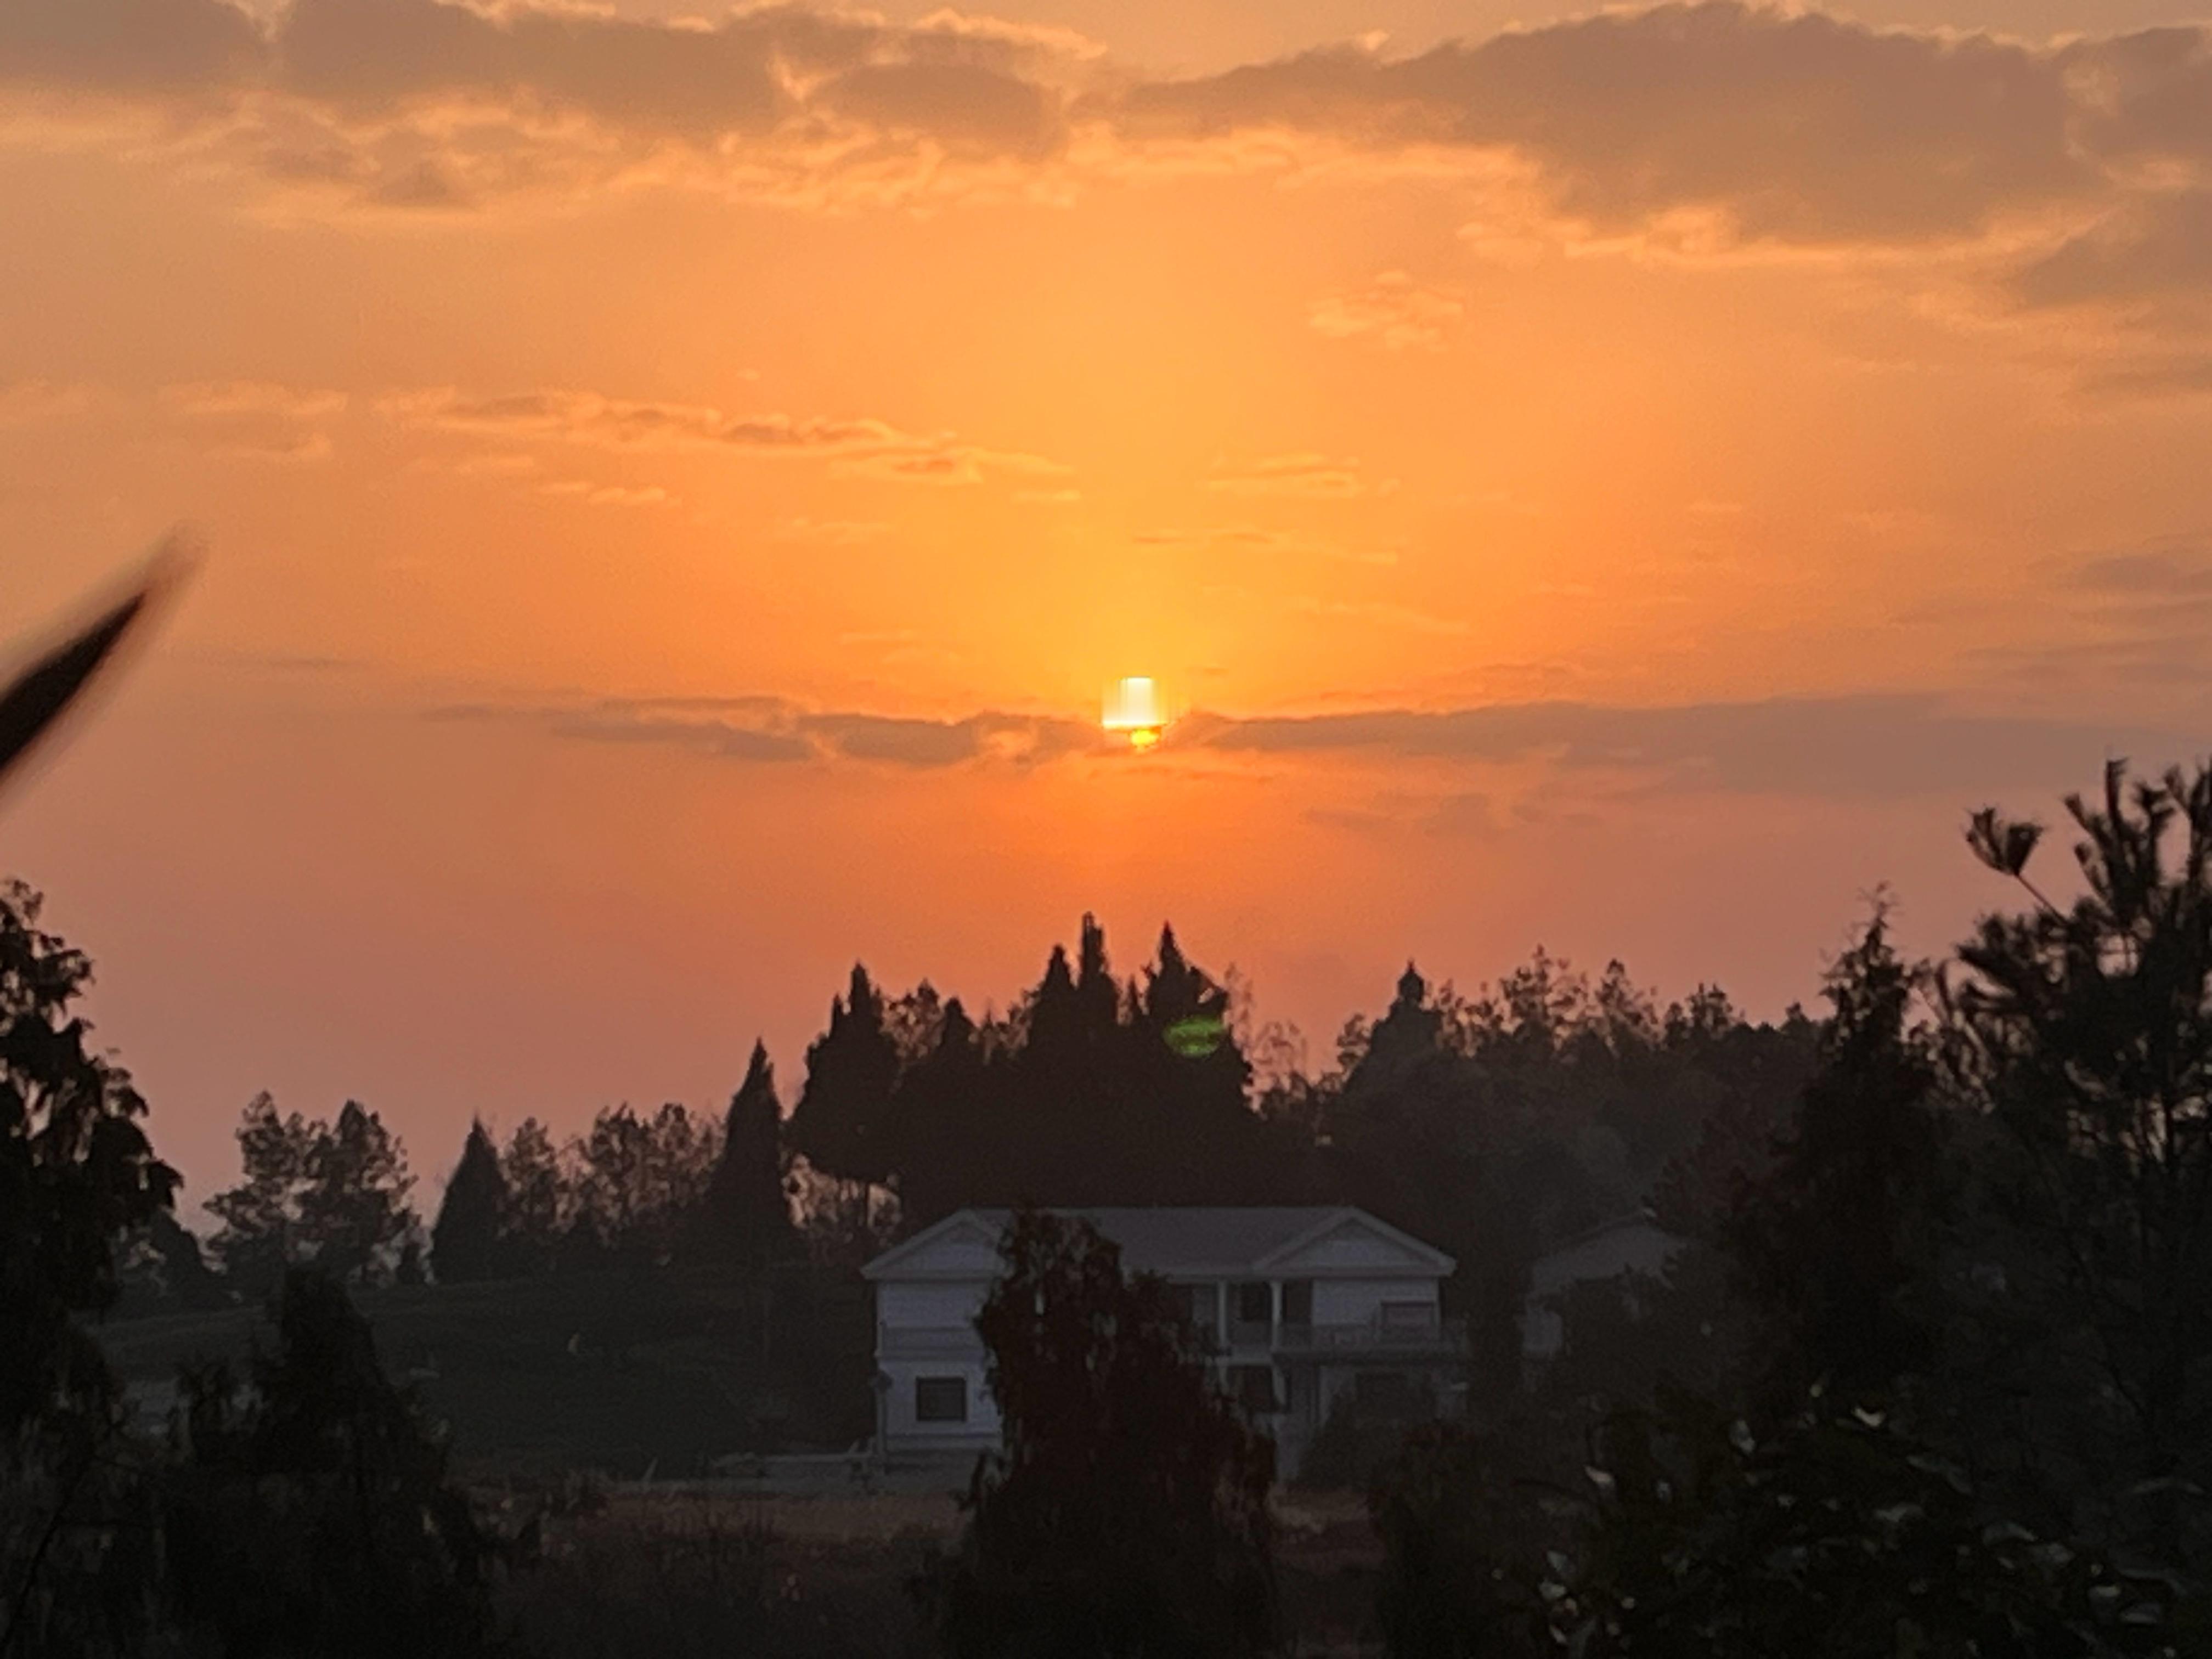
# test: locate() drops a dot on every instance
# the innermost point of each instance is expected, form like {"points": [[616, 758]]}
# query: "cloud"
{"points": [[1712, 126], [2154, 248], [764, 730], [414, 104], [600, 494], [1874, 745], [1393, 311], [1302, 474], [862, 447], [258, 420]]}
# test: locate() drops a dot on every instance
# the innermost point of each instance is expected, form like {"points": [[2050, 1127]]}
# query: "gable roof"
{"points": [[1213, 1241]]}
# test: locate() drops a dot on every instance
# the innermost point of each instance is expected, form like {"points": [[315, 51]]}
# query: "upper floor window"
{"points": [[1297, 1301], [940, 1400]]}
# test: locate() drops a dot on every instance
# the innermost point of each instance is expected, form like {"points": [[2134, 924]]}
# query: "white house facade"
{"points": [[1300, 1307]]}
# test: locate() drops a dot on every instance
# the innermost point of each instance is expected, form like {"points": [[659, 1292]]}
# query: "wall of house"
{"points": [[932, 1305], [906, 1432]]}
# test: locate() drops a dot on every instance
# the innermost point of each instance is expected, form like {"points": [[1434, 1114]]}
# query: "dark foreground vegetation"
{"points": [[1929, 1375]]}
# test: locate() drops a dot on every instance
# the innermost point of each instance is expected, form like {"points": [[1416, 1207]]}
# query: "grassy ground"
{"points": [[624, 1375], [827, 1577]]}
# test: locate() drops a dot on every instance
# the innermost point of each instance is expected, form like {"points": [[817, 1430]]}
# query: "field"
{"points": [[830, 1577], [627, 1376]]}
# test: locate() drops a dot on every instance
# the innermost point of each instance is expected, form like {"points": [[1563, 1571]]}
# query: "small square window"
{"points": [[940, 1400], [1255, 1304]]}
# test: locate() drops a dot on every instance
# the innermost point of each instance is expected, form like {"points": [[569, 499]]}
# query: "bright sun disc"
{"points": [[1133, 706]]}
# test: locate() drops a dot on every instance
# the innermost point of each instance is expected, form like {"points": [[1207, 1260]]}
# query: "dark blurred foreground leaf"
{"points": [[31, 703]]}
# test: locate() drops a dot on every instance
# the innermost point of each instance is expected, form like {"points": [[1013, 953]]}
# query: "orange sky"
{"points": [[675, 489]]}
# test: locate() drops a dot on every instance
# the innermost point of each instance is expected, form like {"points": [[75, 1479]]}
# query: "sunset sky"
{"points": [[676, 486]]}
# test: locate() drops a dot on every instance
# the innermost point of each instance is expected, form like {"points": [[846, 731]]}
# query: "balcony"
{"points": [[1441, 1336]]}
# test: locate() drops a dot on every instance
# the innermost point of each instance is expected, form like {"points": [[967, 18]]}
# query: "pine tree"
{"points": [[260, 1215], [466, 1245], [538, 1199], [746, 1220]]}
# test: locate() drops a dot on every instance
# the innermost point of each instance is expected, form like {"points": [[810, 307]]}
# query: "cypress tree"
{"points": [[465, 1245], [747, 1219]]}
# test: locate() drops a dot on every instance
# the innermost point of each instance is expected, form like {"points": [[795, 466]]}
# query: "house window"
{"points": [[1255, 1389], [940, 1400], [1297, 1301], [1255, 1305]]}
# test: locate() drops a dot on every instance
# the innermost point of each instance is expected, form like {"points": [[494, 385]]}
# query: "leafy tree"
{"points": [[467, 1242], [260, 1215], [1455, 1582], [354, 1207], [311, 1511], [1127, 1514], [537, 1198], [745, 1215], [639, 1180], [77, 1178], [2085, 1035], [1839, 1536], [1844, 1233]]}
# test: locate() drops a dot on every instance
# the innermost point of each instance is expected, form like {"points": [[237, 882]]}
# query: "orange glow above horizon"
{"points": [[662, 549]]}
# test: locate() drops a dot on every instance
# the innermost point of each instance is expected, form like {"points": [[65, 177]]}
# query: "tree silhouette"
{"points": [[1842, 1233], [467, 1241], [311, 1511], [260, 1215], [76, 1170], [536, 1198], [2086, 1036], [1127, 1514], [354, 1207], [744, 1216], [841, 1120]]}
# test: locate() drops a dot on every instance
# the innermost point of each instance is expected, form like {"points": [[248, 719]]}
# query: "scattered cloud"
{"points": [[258, 420], [861, 446], [600, 494], [1395, 312], [832, 533], [1302, 474]]}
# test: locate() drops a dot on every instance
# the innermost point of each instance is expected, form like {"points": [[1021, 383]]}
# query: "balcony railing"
{"points": [[1368, 1336], [1373, 1335]]}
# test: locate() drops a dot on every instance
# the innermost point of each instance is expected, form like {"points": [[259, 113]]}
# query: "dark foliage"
{"points": [[1127, 1514], [311, 1512], [467, 1241], [76, 1170], [1838, 1243], [744, 1216]]}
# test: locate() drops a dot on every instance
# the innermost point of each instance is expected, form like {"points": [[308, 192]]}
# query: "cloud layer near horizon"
{"points": [[1856, 747], [1711, 123]]}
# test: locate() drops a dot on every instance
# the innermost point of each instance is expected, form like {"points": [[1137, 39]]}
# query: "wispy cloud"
{"points": [[1302, 474], [859, 447], [1393, 311]]}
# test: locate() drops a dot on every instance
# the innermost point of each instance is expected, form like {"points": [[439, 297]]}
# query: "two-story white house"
{"points": [[1300, 1307]]}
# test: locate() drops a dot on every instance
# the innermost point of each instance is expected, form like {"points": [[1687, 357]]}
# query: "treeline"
{"points": [[1495, 1124]]}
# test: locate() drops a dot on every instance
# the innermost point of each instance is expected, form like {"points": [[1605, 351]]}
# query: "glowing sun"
{"points": [[1133, 709]]}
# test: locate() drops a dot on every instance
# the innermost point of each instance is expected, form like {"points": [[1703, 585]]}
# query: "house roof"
{"points": [[1212, 1241]]}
